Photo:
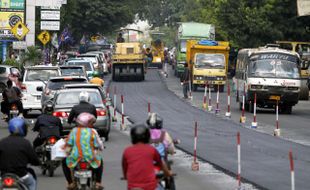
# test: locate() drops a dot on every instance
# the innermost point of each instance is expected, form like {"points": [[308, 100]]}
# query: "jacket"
{"points": [[80, 108], [48, 125]]}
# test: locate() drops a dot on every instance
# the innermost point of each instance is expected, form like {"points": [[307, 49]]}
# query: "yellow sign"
{"points": [[19, 30], [10, 19], [44, 37], [94, 38]]}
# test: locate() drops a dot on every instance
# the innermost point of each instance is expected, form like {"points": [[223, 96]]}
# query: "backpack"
{"points": [[11, 95], [159, 145]]}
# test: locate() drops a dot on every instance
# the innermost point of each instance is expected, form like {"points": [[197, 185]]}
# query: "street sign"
{"points": [[50, 25], [44, 37], [19, 30], [50, 15], [19, 45]]}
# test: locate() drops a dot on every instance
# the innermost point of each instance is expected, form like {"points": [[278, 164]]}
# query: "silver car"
{"points": [[65, 99], [34, 78]]}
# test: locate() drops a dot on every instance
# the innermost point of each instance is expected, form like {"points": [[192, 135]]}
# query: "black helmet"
{"points": [[140, 133], [154, 121], [48, 107]]}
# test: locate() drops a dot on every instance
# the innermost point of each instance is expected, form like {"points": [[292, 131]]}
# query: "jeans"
{"points": [[185, 89], [29, 181]]}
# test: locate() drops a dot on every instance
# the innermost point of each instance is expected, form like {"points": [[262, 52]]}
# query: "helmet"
{"points": [[140, 133], [154, 121], [48, 107], [85, 119], [17, 126], [84, 97], [96, 74]]}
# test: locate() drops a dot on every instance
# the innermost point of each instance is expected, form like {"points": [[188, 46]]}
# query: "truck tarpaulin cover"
{"points": [[303, 7]]}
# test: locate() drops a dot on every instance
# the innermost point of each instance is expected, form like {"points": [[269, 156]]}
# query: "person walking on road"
{"points": [[185, 81], [138, 161]]}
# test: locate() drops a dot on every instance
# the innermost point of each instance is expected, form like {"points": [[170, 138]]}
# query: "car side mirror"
{"points": [[40, 88]]}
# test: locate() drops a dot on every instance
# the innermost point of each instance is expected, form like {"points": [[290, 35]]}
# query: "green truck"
{"points": [[190, 31]]}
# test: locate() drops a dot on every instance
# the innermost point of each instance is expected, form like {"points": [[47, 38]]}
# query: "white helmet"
{"points": [[84, 97]]}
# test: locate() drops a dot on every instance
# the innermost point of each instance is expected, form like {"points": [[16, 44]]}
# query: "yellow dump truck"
{"points": [[128, 59], [208, 63], [157, 48], [303, 49]]}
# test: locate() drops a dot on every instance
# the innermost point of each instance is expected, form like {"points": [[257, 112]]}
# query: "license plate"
{"points": [[84, 174], [13, 111], [274, 98]]}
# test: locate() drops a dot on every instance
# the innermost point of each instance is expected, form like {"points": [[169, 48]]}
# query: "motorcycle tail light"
{"points": [[52, 140], [101, 112], [23, 87], [83, 165], [8, 181], [60, 114]]}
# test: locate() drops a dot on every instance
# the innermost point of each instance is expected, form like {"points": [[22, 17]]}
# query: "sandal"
{"points": [[99, 187], [71, 186]]}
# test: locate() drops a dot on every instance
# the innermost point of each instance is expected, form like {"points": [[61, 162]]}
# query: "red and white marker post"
{"points": [[210, 99], [228, 113], [123, 114], [114, 103], [237, 92], [217, 110], [243, 118], [205, 104], [149, 108], [292, 170], [254, 123], [239, 160], [190, 88], [277, 131], [195, 164]]}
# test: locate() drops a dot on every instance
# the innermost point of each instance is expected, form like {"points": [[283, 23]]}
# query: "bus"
{"points": [[272, 74]]}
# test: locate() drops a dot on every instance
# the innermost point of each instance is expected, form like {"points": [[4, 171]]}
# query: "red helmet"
{"points": [[85, 119]]}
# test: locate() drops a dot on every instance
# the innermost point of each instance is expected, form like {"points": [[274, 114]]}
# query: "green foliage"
{"points": [[11, 62], [32, 56]]}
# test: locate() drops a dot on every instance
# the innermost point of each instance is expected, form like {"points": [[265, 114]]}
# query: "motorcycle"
{"points": [[48, 165], [83, 176], [10, 181]]}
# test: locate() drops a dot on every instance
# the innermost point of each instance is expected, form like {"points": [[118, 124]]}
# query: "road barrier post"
{"points": [[254, 123], [122, 126], [239, 160], [190, 88], [277, 131], [195, 164], [228, 113], [149, 108], [243, 118], [237, 92], [108, 91], [217, 110], [292, 170], [205, 104], [114, 119], [210, 98]]}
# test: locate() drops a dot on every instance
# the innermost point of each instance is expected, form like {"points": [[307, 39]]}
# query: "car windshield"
{"points": [[91, 59], [72, 97], [183, 46], [41, 74], [72, 72], [274, 66], [87, 65], [56, 85], [210, 61]]}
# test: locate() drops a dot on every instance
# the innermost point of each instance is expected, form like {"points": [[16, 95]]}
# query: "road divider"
{"points": [[217, 110], [114, 103], [149, 108], [195, 164], [122, 125], [254, 123], [277, 131], [243, 118], [205, 104], [228, 113], [290, 154], [210, 100], [239, 160]]}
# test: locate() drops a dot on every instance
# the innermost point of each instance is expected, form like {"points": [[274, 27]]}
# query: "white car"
{"points": [[89, 67], [103, 60], [35, 78]]}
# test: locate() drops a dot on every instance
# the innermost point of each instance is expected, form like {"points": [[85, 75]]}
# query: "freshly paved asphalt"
{"points": [[264, 158]]}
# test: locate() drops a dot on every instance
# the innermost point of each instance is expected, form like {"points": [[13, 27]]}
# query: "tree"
{"points": [[32, 56]]}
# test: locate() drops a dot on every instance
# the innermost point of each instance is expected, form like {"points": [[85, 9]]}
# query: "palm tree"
{"points": [[32, 56]]}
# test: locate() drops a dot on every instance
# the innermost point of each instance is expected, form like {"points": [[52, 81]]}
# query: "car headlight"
{"points": [[158, 59]]}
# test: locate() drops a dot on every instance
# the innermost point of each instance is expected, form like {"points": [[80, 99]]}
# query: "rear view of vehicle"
{"points": [[73, 70], [11, 181], [157, 47], [270, 73], [34, 79], [128, 59], [83, 176], [48, 165], [89, 67]]}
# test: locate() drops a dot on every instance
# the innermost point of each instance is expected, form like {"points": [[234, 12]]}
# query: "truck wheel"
{"points": [[287, 109], [221, 88], [195, 87]]}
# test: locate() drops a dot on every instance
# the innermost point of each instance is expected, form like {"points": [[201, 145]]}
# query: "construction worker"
{"points": [[96, 79]]}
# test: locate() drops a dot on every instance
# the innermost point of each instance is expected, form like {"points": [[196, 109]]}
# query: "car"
{"points": [[56, 83], [65, 99], [73, 70], [34, 77], [95, 59], [89, 67], [103, 60], [6, 72]]}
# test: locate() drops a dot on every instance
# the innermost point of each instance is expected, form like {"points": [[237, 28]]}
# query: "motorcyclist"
{"points": [[155, 123], [83, 106], [16, 153], [47, 125], [83, 143], [11, 95], [138, 161], [96, 79]]}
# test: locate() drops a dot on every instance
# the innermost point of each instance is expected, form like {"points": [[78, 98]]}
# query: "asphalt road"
{"points": [[264, 157]]}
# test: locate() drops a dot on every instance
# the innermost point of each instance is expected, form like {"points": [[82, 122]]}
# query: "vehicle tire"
{"points": [[51, 172], [195, 87], [84, 187], [221, 88], [287, 109], [2, 87], [106, 136], [247, 106], [44, 172], [240, 106], [171, 183], [251, 107], [25, 113]]}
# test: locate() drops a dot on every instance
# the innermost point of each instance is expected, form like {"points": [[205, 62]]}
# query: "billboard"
{"points": [[303, 7], [11, 12]]}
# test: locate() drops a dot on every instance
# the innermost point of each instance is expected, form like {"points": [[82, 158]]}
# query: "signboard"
{"points": [[50, 15], [44, 37], [50, 25], [50, 2], [19, 45], [12, 5], [303, 7], [50, 7], [20, 30], [9, 19]]}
